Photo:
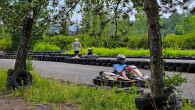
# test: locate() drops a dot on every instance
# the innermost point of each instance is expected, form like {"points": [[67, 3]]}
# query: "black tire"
{"points": [[93, 60], [145, 63], [109, 64], [188, 57], [113, 61], [146, 67], [93, 63], [10, 72], [179, 69], [186, 65], [137, 63], [85, 63], [146, 103], [171, 69], [20, 77], [98, 61], [176, 64], [175, 106], [99, 64], [168, 64], [190, 70], [192, 65], [107, 61], [140, 66], [130, 62], [104, 64]]}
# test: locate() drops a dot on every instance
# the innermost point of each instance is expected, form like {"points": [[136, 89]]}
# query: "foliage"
{"points": [[43, 46], [173, 82], [168, 52], [13, 13], [61, 41], [115, 51], [47, 90], [3, 79], [180, 41], [188, 24], [131, 41], [5, 44], [5, 40], [29, 66]]}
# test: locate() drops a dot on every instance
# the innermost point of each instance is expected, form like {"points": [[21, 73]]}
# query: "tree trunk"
{"points": [[24, 42], [155, 40]]}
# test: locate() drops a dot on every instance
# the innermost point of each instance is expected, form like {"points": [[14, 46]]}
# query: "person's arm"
{"points": [[81, 47], [73, 45], [122, 73]]}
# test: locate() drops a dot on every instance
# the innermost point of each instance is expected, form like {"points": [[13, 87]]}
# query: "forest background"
{"points": [[97, 29]]}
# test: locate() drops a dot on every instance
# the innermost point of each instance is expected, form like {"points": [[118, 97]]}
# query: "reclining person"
{"points": [[89, 52], [119, 67]]}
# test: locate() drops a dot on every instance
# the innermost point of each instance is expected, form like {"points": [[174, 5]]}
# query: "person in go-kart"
{"points": [[119, 68], [89, 52]]}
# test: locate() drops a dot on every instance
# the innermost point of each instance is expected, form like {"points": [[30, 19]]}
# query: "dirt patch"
{"points": [[17, 103]]}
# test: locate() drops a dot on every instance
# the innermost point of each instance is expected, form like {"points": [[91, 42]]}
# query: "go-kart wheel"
{"points": [[142, 84]]}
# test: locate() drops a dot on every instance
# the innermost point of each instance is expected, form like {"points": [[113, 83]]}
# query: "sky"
{"points": [[77, 16]]}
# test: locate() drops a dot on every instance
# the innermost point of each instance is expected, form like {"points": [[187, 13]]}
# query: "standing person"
{"points": [[119, 67], [76, 46]]}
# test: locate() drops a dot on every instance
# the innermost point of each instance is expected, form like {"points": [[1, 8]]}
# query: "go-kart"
{"points": [[111, 79]]}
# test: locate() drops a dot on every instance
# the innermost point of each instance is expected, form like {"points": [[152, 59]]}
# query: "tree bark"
{"points": [[155, 40], [24, 43]]}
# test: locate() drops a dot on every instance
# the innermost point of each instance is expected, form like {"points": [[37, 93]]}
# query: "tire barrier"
{"points": [[168, 101], [55, 56], [17, 79]]}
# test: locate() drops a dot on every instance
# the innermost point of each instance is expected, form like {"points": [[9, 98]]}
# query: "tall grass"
{"points": [[47, 90], [85, 98], [3, 79], [43, 46], [138, 52]]}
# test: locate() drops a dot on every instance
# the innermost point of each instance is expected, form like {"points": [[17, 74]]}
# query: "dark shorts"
{"points": [[76, 53]]}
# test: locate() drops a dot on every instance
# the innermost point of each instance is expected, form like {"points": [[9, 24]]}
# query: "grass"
{"points": [[48, 90], [139, 52]]}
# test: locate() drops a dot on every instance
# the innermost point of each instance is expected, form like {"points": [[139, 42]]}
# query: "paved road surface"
{"points": [[85, 73]]}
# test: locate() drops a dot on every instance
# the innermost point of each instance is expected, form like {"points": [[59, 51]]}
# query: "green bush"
{"points": [[114, 51], [61, 41], [168, 52], [43, 46], [180, 41], [5, 44]]}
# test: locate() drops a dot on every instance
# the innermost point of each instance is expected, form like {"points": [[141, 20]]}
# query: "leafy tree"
{"points": [[187, 25], [21, 17], [170, 25]]}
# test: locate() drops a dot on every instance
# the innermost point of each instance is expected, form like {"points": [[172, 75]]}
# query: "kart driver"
{"points": [[119, 67], [89, 52]]}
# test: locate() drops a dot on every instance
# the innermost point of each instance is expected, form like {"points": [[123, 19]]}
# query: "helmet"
{"points": [[89, 49], [121, 59]]}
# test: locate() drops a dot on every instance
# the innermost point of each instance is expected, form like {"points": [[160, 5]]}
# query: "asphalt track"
{"points": [[85, 73]]}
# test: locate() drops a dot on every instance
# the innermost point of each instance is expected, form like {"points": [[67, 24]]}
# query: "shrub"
{"points": [[61, 41], [5, 44], [43, 46]]}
